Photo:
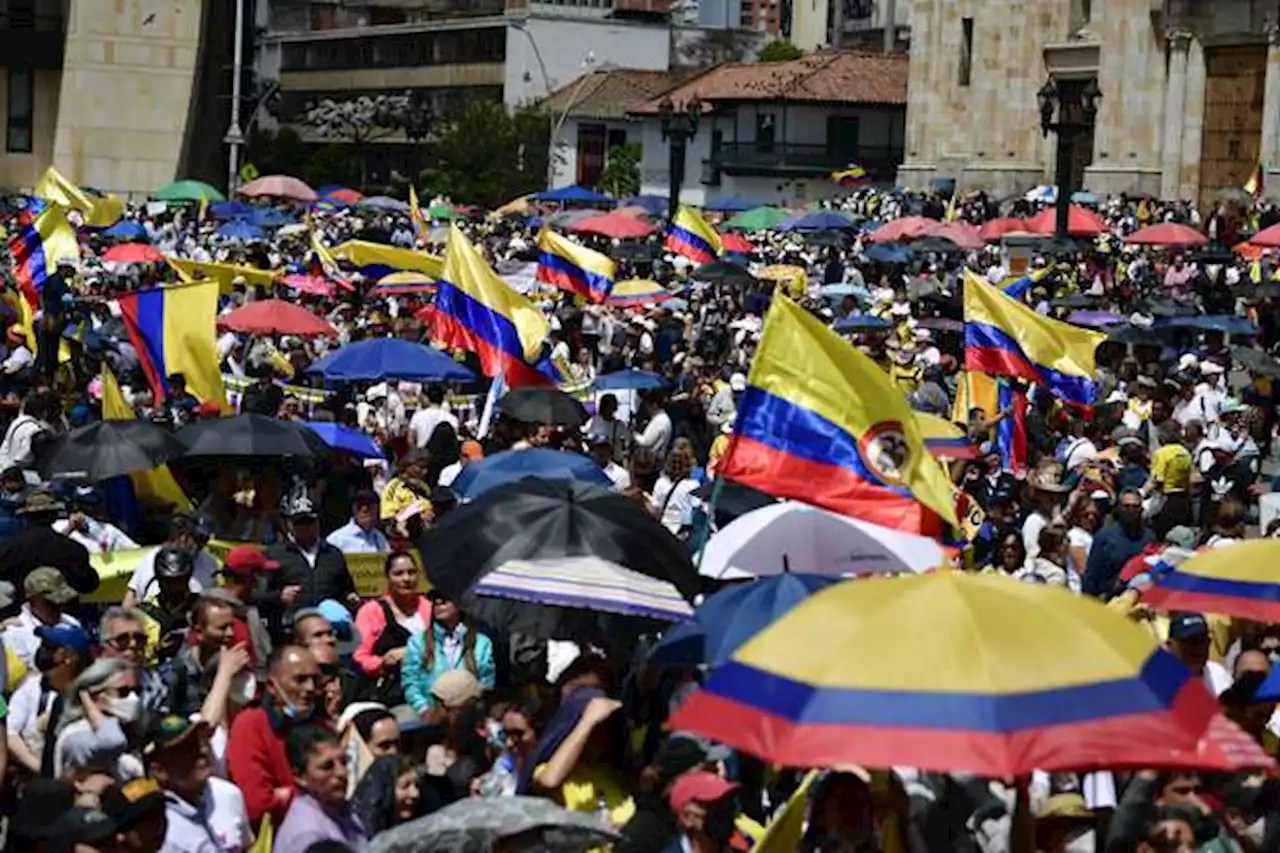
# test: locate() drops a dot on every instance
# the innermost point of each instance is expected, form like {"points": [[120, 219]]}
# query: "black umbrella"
{"points": [[25, 551], [631, 250], [733, 499], [542, 406], [108, 449], [535, 519], [940, 245], [1076, 300], [251, 435], [1255, 361], [723, 272]]}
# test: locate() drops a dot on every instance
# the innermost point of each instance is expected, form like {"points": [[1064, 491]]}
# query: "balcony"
{"points": [[32, 40], [791, 158]]}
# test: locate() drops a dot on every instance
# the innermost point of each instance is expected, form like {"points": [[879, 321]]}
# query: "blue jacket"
{"points": [[417, 680], [1112, 548]]}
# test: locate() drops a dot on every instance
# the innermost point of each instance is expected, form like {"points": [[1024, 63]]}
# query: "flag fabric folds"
{"points": [[1256, 184], [173, 330], [38, 249], [690, 236], [1004, 337], [564, 264], [225, 274], [475, 310], [1019, 287], [821, 423], [155, 486], [364, 254], [421, 228], [1011, 432], [98, 211]]}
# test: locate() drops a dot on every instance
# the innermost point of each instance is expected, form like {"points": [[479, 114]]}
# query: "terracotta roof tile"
{"points": [[610, 92]]}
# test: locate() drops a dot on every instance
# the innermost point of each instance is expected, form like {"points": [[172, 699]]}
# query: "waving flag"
{"points": [[173, 329], [821, 423], [564, 264], [98, 211], [421, 228], [689, 235], [1011, 432], [38, 249], [1004, 337], [475, 310], [1019, 287], [376, 260]]}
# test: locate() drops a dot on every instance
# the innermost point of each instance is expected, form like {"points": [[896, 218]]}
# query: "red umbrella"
{"points": [[962, 234], [1167, 234], [343, 195], [1081, 222], [279, 186], [615, 226], [1267, 238], [276, 317], [313, 284], [1225, 747], [734, 242], [133, 253], [906, 228], [997, 228]]}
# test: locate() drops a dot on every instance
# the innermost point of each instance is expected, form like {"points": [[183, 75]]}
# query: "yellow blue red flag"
{"points": [[172, 329], [821, 423], [564, 264], [689, 235], [1004, 337], [475, 310], [376, 260], [38, 249]]}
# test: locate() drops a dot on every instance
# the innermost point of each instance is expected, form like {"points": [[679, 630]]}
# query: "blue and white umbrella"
{"points": [[585, 583]]}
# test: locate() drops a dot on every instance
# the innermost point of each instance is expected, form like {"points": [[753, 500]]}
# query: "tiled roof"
{"points": [[609, 92], [852, 78]]}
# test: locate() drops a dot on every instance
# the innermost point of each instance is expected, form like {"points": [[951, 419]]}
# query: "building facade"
{"points": [[1190, 93]]}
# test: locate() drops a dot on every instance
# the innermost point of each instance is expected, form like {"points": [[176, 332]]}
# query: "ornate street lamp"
{"points": [[1076, 110], [678, 127]]}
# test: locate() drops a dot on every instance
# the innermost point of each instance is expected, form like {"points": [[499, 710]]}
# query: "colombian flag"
{"points": [[945, 439], [1019, 287], [420, 226], [477, 311], [376, 260], [564, 264], [821, 423], [38, 248], [1011, 432], [173, 329], [1004, 337], [690, 235]]}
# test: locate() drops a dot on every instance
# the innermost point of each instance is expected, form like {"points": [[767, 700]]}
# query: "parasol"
{"points": [[276, 317]]}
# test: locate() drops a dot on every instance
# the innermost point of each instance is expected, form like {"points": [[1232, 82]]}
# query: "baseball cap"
{"points": [[301, 507], [1188, 626], [66, 636], [471, 450], [455, 688], [702, 786], [48, 583], [1182, 537], [738, 382], [170, 730], [244, 560]]}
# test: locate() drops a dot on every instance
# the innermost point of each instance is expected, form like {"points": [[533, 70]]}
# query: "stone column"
{"points": [[1175, 104], [1270, 149]]}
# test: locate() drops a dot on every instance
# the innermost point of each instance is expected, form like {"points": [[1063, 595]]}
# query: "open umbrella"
{"points": [[763, 218], [962, 234], [508, 466], [1094, 319], [993, 229], [1081, 222], [229, 209], [482, 824], [316, 285], [574, 195], [279, 186], [400, 283], [340, 195], [729, 204], [1228, 324], [817, 220], [238, 229], [250, 435], [385, 203], [616, 226], [888, 253], [1242, 581], [542, 406], [376, 359], [1267, 238], [736, 243], [347, 439], [133, 253], [636, 292], [584, 583], [654, 205], [1167, 234], [1076, 300], [276, 317], [629, 379], [1256, 361], [906, 228], [861, 323], [534, 519], [723, 272], [108, 449], [950, 671], [126, 229], [188, 190]]}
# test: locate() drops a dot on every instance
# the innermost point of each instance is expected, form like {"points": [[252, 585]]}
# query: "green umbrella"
{"points": [[188, 191], [757, 219], [440, 210]]}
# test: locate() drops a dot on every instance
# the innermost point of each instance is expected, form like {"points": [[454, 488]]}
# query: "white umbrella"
{"points": [[796, 537]]}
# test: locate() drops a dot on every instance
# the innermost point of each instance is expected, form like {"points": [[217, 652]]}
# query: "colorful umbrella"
{"points": [[399, 283], [1242, 580], [574, 195], [386, 204], [316, 285], [279, 186], [340, 195], [728, 204], [817, 220], [906, 228], [126, 229], [635, 292], [1267, 238], [585, 583], [239, 230], [616, 226], [736, 243], [764, 218], [276, 317], [629, 380], [993, 229], [351, 440], [653, 205], [962, 234], [188, 191], [952, 672], [1081, 222], [1094, 319], [1167, 234], [945, 439], [133, 253]]}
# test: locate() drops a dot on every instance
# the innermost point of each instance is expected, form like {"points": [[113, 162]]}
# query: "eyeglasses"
{"points": [[121, 642]]}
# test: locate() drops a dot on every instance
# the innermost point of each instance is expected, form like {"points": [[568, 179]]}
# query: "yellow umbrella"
{"points": [[1242, 580], [792, 277]]}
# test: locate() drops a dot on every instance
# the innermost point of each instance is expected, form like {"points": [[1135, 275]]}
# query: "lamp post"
{"points": [[1076, 109], [678, 127]]}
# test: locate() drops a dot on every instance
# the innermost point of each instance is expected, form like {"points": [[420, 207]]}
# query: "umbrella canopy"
{"points": [[542, 406], [316, 285], [837, 291], [1076, 300], [347, 439], [276, 317], [721, 271], [133, 253], [942, 324], [763, 218], [385, 203], [654, 205], [617, 226], [573, 195], [1256, 361], [401, 283], [250, 436], [962, 234], [993, 229], [1242, 581], [585, 583], [508, 466], [267, 217], [1267, 238], [340, 195], [534, 519], [796, 537], [1084, 197], [1081, 222], [945, 439], [906, 228], [279, 186], [1228, 324], [1167, 234], [229, 209], [635, 292], [948, 672], [376, 359], [730, 204], [188, 190], [888, 253], [126, 229], [736, 243], [479, 824], [1094, 319], [861, 323], [238, 229], [731, 617], [629, 379], [817, 220], [108, 449]]}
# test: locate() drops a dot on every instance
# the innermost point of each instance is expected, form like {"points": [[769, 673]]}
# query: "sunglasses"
{"points": [[135, 639]]}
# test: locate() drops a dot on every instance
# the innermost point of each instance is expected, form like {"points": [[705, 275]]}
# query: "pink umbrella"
{"points": [[906, 228], [996, 228], [133, 253], [279, 186], [1081, 222], [313, 284], [1267, 238], [614, 226], [1167, 234], [962, 234]]}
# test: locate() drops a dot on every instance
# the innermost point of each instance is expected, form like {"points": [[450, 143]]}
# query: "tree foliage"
{"points": [[780, 50], [480, 154], [621, 175]]}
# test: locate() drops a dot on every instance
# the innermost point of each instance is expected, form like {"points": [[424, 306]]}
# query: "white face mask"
{"points": [[1256, 832], [1082, 843], [126, 708]]}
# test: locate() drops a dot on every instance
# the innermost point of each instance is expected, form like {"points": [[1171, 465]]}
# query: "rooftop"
{"points": [[609, 93]]}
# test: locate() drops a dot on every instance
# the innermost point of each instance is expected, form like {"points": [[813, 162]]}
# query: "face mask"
{"points": [[1255, 833], [125, 708], [290, 710], [244, 687]]}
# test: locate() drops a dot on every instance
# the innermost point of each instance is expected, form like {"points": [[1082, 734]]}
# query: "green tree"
{"points": [[279, 152], [483, 155], [621, 175], [335, 163], [780, 50]]}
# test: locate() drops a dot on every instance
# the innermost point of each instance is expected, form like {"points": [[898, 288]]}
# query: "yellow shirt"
{"points": [[1171, 468], [582, 792], [396, 497]]}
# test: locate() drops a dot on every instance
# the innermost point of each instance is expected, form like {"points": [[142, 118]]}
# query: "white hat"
{"points": [[738, 382], [1188, 361], [1211, 368], [1223, 441]]}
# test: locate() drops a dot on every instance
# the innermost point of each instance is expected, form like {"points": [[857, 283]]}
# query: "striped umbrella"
{"points": [[401, 283], [585, 583], [635, 292], [1242, 580], [952, 672]]}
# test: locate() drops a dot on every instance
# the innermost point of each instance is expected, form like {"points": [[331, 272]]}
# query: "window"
{"points": [[21, 98], [764, 133], [591, 153], [966, 50]]}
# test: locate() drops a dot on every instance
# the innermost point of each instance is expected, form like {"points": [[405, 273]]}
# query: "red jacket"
{"points": [[258, 763]]}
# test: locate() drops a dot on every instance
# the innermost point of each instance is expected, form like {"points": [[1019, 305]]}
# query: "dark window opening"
{"points": [[966, 51], [21, 107]]}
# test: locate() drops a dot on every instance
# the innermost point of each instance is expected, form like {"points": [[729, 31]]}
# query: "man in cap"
{"points": [[1189, 642], [36, 706], [311, 569], [602, 453], [705, 809], [47, 594], [204, 813], [244, 573], [654, 826], [169, 610], [361, 535], [1115, 544], [131, 820], [187, 532]]}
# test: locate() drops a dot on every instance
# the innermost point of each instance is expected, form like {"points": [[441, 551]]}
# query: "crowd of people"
{"points": [[254, 700]]}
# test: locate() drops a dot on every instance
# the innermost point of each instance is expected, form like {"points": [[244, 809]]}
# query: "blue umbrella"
{"points": [[1225, 323], [629, 380], [861, 323], [511, 465], [229, 209], [817, 220], [390, 358], [340, 437], [385, 203], [654, 205], [837, 291], [888, 253], [573, 195], [126, 229], [267, 217], [238, 229], [734, 615], [730, 204]]}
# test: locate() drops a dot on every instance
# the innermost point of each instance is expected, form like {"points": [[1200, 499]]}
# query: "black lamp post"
{"points": [[1076, 109], [678, 127]]}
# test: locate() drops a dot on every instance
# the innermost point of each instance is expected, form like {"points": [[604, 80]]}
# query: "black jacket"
{"points": [[329, 578]]}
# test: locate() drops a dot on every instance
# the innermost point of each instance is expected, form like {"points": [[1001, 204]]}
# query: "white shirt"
{"points": [[351, 539], [221, 819], [620, 476], [100, 537], [676, 501], [19, 357], [1031, 528], [657, 434], [27, 706], [449, 473], [424, 423], [20, 633], [205, 575]]}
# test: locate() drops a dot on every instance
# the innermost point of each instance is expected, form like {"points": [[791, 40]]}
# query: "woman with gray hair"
{"points": [[102, 706]]}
